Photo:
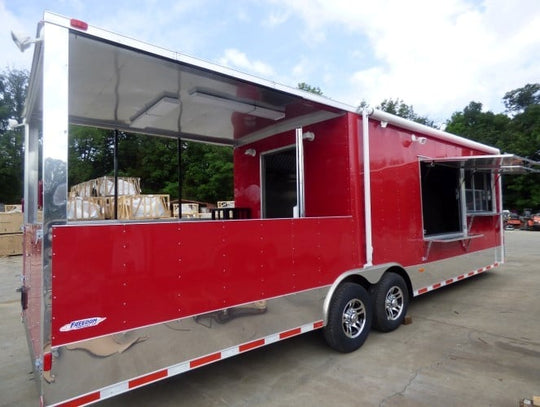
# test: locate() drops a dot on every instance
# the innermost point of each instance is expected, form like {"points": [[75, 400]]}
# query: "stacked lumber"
{"points": [[94, 199], [11, 237]]}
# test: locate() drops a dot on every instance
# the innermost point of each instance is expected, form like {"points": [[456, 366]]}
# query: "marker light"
{"points": [[80, 25]]}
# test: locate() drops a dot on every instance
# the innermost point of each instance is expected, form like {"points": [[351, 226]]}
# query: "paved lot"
{"points": [[475, 343]]}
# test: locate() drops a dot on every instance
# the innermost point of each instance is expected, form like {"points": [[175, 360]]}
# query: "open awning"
{"points": [[119, 86], [116, 82], [499, 163]]}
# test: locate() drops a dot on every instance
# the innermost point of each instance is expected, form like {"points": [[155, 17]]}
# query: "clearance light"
{"points": [[78, 24]]}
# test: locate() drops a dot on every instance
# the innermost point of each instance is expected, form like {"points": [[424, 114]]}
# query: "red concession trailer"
{"points": [[341, 217]]}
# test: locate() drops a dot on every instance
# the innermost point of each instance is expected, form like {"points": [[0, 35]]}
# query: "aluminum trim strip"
{"points": [[124, 386], [449, 281]]}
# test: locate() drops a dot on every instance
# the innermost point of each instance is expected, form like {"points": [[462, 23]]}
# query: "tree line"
{"points": [[207, 169]]}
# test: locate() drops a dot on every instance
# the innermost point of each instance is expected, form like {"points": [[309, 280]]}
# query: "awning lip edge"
{"points": [[514, 164]]}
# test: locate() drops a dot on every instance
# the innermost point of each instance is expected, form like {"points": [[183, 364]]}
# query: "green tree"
{"points": [[90, 154], [206, 169], [523, 138], [207, 172], [518, 134], [401, 109], [518, 100], [473, 123], [13, 86], [308, 88], [363, 105]]}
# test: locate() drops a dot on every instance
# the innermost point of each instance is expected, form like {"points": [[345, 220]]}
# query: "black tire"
{"points": [[390, 302], [349, 318]]}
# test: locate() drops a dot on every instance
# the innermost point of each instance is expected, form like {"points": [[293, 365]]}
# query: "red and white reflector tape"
{"points": [[173, 370], [440, 284]]}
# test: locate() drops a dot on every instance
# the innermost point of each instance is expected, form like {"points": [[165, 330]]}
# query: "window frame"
{"points": [[486, 191]]}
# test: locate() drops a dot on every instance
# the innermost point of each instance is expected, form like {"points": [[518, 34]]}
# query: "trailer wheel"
{"points": [[349, 318], [390, 301]]}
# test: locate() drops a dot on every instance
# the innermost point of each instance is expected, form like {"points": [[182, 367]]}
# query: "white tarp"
{"points": [[79, 208]]}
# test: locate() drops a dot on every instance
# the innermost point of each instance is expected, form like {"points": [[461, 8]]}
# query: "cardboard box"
{"points": [[11, 222], [11, 244]]}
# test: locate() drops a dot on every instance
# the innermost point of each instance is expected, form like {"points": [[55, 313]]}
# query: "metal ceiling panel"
{"points": [[112, 85]]}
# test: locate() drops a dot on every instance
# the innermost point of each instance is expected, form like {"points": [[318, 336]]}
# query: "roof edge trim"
{"points": [[430, 131]]}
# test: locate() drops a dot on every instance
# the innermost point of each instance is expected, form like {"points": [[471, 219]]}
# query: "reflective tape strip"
{"points": [[251, 345], [205, 360], [122, 387], [149, 378], [432, 287], [288, 334], [83, 400]]}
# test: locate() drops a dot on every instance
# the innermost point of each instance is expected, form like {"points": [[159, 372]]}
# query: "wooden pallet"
{"points": [[11, 244], [84, 209], [11, 237], [11, 222], [144, 206], [104, 186], [13, 208]]}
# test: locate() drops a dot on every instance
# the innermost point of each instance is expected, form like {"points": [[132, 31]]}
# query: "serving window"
{"points": [[478, 192], [441, 199], [457, 188]]}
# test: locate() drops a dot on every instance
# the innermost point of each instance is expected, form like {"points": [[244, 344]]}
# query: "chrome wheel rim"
{"points": [[393, 303], [354, 318]]}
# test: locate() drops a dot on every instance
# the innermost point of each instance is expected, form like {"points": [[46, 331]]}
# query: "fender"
{"points": [[371, 275]]}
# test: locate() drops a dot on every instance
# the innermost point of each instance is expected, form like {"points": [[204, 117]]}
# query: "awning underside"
{"points": [[117, 87], [502, 163]]}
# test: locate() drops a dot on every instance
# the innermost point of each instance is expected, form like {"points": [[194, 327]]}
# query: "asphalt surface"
{"points": [[474, 343]]}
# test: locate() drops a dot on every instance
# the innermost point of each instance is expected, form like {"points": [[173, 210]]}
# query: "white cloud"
{"points": [[276, 18], [242, 15], [16, 60], [437, 56], [236, 59]]}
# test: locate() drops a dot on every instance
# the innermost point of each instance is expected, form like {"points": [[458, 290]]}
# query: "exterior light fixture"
{"points": [[419, 140], [309, 136], [236, 105], [23, 41], [13, 124], [155, 112]]}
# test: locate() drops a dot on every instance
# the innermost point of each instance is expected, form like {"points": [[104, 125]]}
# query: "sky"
{"points": [[437, 56]]}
